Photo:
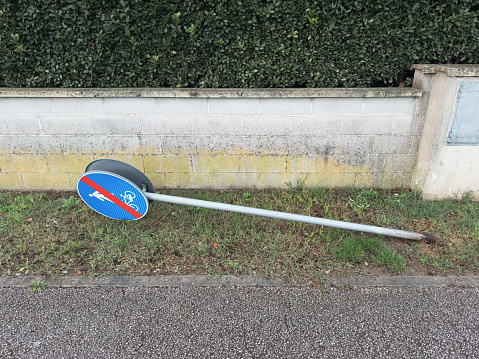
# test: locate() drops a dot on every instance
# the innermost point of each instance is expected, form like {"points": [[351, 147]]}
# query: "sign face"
{"points": [[112, 195]]}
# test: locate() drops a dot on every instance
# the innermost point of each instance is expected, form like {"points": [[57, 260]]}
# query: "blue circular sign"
{"points": [[112, 195]]}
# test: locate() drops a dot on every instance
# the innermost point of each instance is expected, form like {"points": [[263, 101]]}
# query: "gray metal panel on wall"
{"points": [[464, 129]]}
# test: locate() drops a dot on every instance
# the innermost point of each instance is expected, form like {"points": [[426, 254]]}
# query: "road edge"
{"points": [[230, 280]]}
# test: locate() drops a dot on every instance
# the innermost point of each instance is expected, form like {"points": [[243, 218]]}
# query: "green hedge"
{"points": [[237, 43]]}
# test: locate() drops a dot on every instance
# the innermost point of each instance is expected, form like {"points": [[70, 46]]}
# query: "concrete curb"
{"points": [[146, 281], [409, 281], [230, 280]]}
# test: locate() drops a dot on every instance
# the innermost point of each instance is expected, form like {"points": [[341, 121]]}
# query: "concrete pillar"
{"points": [[443, 169]]}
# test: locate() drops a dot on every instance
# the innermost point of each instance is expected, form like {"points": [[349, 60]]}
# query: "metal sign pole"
{"points": [[290, 217]]}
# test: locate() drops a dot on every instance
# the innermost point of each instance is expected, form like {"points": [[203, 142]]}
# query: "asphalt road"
{"points": [[239, 322]]}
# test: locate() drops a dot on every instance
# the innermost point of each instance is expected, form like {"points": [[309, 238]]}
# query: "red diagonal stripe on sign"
{"points": [[111, 197]]}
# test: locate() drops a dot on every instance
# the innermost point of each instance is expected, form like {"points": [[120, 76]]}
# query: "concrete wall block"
{"points": [[167, 164], [21, 105], [352, 163], [73, 178], [315, 125], [152, 145], [133, 106], [208, 126], [391, 180], [218, 163], [338, 179], [353, 145], [307, 164], [361, 179], [263, 164], [125, 145], [266, 126], [94, 144], [19, 125], [312, 179], [389, 144], [64, 144], [401, 105], [340, 145], [78, 105], [168, 125], [47, 181], [136, 160], [187, 106], [66, 125], [188, 145], [324, 145], [235, 180], [366, 125], [246, 145], [233, 125], [67, 163], [328, 180], [157, 179], [336, 106], [367, 180], [298, 145], [116, 125], [400, 164], [402, 125], [414, 144], [258, 145], [273, 145], [30, 144], [277, 180], [234, 106], [188, 180], [22, 163], [285, 106], [7, 144], [11, 181], [375, 162]]}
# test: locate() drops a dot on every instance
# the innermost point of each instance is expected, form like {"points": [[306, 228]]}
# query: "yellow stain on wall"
{"points": [[221, 163], [235, 180], [188, 180], [22, 163], [132, 159], [167, 163], [46, 181], [11, 181], [58, 163], [214, 170]]}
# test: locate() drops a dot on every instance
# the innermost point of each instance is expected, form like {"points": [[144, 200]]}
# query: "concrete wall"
{"points": [[444, 171], [211, 137]]}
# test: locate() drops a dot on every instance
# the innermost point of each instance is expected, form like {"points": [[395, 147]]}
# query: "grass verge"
{"points": [[56, 234]]}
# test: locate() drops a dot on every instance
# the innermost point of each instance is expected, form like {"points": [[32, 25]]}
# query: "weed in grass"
{"points": [[246, 195], [300, 184], [16, 202], [362, 200], [70, 204], [234, 264]]}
